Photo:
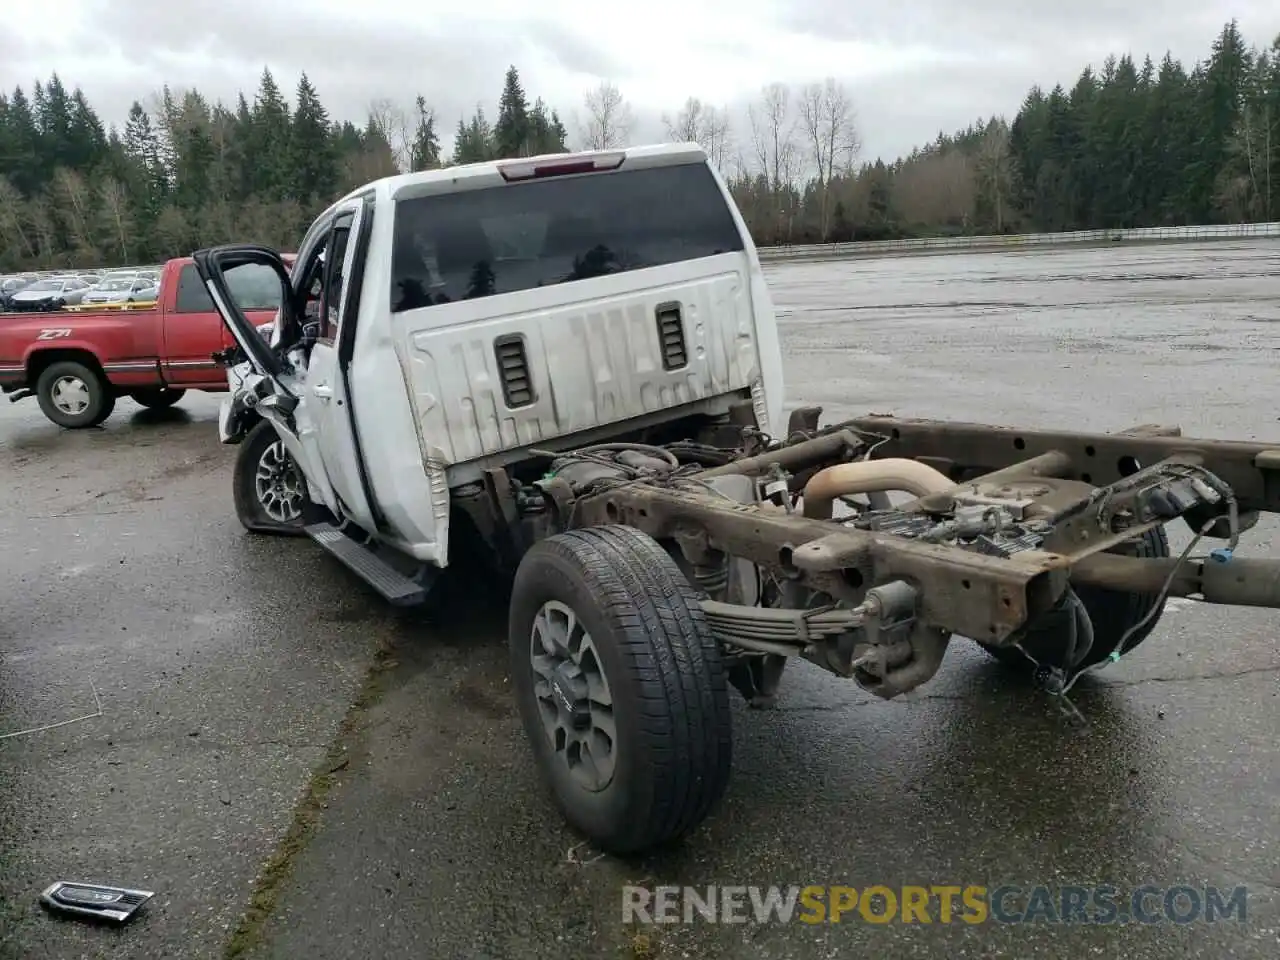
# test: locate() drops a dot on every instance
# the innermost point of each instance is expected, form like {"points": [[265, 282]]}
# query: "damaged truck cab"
{"points": [[569, 366]]}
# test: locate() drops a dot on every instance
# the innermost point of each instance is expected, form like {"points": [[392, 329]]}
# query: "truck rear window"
{"points": [[478, 243], [254, 286]]}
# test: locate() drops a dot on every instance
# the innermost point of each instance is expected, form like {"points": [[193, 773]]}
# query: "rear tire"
{"points": [[1113, 612], [632, 655], [269, 488], [74, 395], [159, 398]]}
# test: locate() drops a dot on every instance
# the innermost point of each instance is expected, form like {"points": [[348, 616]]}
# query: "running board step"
{"points": [[395, 587]]}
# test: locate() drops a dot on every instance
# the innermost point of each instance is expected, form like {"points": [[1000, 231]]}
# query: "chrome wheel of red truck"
{"points": [[74, 396]]}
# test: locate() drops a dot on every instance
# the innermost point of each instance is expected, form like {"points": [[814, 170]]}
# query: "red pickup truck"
{"points": [[77, 364]]}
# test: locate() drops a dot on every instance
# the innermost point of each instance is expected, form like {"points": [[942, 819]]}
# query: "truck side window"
{"points": [[253, 286], [331, 292]]}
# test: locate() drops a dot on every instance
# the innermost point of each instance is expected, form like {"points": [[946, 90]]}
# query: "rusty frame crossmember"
{"points": [[961, 450], [985, 597]]}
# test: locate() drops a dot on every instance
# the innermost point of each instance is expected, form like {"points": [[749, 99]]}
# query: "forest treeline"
{"points": [[1131, 144]]}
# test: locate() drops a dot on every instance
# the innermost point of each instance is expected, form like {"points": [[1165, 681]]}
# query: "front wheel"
{"points": [[621, 687], [73, 395], [159, 398], [269, 488]]}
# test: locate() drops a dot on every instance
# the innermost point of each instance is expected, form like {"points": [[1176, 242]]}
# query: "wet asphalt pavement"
{"points": [[259, 707]]}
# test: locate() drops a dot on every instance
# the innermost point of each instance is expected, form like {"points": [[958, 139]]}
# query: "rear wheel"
{"points": [[159, 398], [620, 686], [74, 395], [269, 488], [1054, 641]]}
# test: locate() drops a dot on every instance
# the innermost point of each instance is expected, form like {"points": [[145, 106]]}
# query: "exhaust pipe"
{"points": [[870, 476], [20, 394]]}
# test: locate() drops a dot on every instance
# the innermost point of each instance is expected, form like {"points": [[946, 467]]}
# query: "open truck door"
{"points": [[274, 387]]}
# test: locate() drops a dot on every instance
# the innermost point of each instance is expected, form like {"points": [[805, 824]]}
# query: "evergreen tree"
{"points": [[21, 146], [474, 141], [312, 170], [87, 138], [53, 121], [512, 131], [193, 154], [546, 133], [147, 180], [425, 152], [269, 141], [1132, 143]]}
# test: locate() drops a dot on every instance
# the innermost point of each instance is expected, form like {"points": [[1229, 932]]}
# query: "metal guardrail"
{"points": [[836, 251]]}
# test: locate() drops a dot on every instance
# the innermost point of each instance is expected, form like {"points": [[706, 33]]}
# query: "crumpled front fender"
{"points": [[237, 416]]}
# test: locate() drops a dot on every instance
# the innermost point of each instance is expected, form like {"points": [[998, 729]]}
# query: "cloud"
{"points": [[912, 69]]}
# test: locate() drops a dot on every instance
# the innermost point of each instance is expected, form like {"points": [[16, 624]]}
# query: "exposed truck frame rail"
{"points": [[990, 551]]}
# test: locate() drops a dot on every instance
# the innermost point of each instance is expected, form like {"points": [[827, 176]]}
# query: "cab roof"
{"points": [[492, 173]]}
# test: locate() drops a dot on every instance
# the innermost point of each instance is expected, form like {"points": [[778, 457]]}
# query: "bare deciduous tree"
{"points": [[609, 121], [43, 228], [117, 222], [392, 123], [75, 200], [826, 113], [701, 123], [686, 125], [717, 135], [1254, 143], [222, 134], [372, 163], [162, 106], [773, 130], [994, 170], [174, 230], [12, 219], [940, 189]]}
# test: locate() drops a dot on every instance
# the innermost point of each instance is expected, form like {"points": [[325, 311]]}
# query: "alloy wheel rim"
{"points": [[574, 700], [278, 484]]}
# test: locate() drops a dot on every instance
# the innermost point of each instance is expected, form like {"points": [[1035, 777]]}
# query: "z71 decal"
{"points": [[54, 333]]}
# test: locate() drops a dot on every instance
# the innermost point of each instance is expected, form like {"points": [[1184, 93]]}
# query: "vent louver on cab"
{"points": [[675, 352], [513, 371]]}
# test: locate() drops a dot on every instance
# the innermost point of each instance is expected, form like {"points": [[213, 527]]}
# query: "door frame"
{"points": [[358, 246], [338, 439], [277, 397]]}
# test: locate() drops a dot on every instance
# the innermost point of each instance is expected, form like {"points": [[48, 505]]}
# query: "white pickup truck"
{"points": [[570, 363]]}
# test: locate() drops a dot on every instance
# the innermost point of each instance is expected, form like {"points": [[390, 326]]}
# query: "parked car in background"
{"points": [[116, 290], [11, 285], [149, 292], [51, 293]]}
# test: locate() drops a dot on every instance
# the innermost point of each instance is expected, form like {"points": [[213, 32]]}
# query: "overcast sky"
{"points": [[913, 67]]}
